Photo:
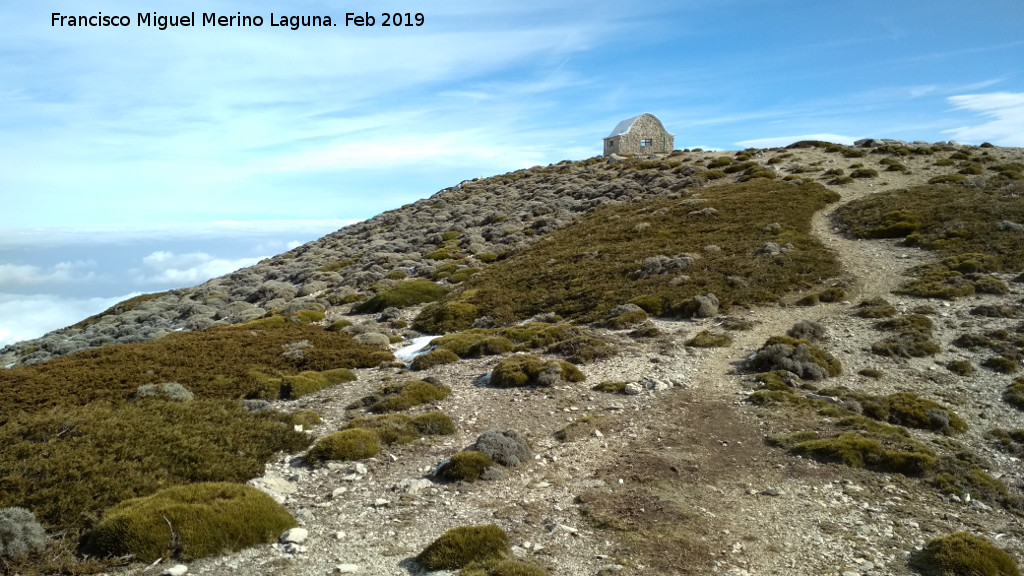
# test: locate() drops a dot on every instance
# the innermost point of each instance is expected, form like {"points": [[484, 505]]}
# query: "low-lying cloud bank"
{"points": [[24, 317]]}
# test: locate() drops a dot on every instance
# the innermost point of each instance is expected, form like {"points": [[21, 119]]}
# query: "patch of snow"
{"points": [[407, 353]]}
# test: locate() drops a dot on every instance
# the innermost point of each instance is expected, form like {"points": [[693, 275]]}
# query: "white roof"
{"points": [[624, 126]]}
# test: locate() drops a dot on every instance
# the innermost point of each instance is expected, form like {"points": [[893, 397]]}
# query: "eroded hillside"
{"points": [[789, 361]]}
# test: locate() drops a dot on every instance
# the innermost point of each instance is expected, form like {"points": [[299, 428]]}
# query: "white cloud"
{"points": [[60, 273], [26, 317], [1006, 109], [779, 141], [163, 267]]}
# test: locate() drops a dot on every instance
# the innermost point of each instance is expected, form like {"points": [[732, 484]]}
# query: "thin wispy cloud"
{"points": [[1006, 113]]}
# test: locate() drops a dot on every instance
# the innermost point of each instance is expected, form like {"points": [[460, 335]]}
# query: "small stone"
{"points": [[338, 492], [359, 468], [346, 569], [772, 491], [295, 536], [176, 570], [340, 535], [279, 485], [380, 503], [293, 548], [597, 433], [633, 389]]}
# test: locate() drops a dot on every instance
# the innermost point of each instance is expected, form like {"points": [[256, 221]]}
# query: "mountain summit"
{"points": [[785, 361]]}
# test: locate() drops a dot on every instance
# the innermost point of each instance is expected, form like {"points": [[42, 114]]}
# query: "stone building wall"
{"points": [[644, 127]]}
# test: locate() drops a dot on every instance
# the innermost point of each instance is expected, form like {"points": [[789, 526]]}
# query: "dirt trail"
{"points": [[791, 517]]}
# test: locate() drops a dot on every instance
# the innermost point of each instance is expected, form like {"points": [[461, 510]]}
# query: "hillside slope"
{"points": [[690, 435]]}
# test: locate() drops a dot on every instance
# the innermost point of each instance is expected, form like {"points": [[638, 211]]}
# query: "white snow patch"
{"points": [[407, 353]]}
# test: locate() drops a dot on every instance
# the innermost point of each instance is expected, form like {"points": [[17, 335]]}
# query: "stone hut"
{"points": [[643, 134]]}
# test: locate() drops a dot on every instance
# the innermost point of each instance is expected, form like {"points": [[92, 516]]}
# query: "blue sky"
{"points": [[261, 136]]}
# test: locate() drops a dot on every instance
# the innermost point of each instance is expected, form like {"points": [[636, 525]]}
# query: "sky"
{"points": [[134, 159]]}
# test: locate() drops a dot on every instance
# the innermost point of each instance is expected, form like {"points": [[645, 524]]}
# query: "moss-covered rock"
{"points": [[188, 522], [402, 396], [435, 357], [459, 547], [963, 554], [466, 466], [407, 293], [351, 444], [529, 370], [1014, 394], [797, 356]]}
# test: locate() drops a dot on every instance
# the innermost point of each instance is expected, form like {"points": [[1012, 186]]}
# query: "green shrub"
{"points": [[503, 567], [812, 299], [167, 391], [953, 221], [398, 397], [306, 383], [1014, 393], [584, 270], [434, 424], [59, 463], [864, 173], [706, 339], [339, 325], [309, 316], [465, 466], [627, 319], [961, 474], [798, 356], [216, 363], [857, 451], [896, 224], [960, 367], [350, 444], [305, 418], [574, 343], [617, 387], [871, 373], [875, 308], [948, 179], [1004, 364], [963, 553], [580, 428], [905, 409], [445, 317], [913, 337], [387, 428], [407, 293], [189, 522], [459, 547], [435, 357], [529, 370]]}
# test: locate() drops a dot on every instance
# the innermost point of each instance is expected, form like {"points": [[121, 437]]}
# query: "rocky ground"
{"points": [[677, 474]]}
